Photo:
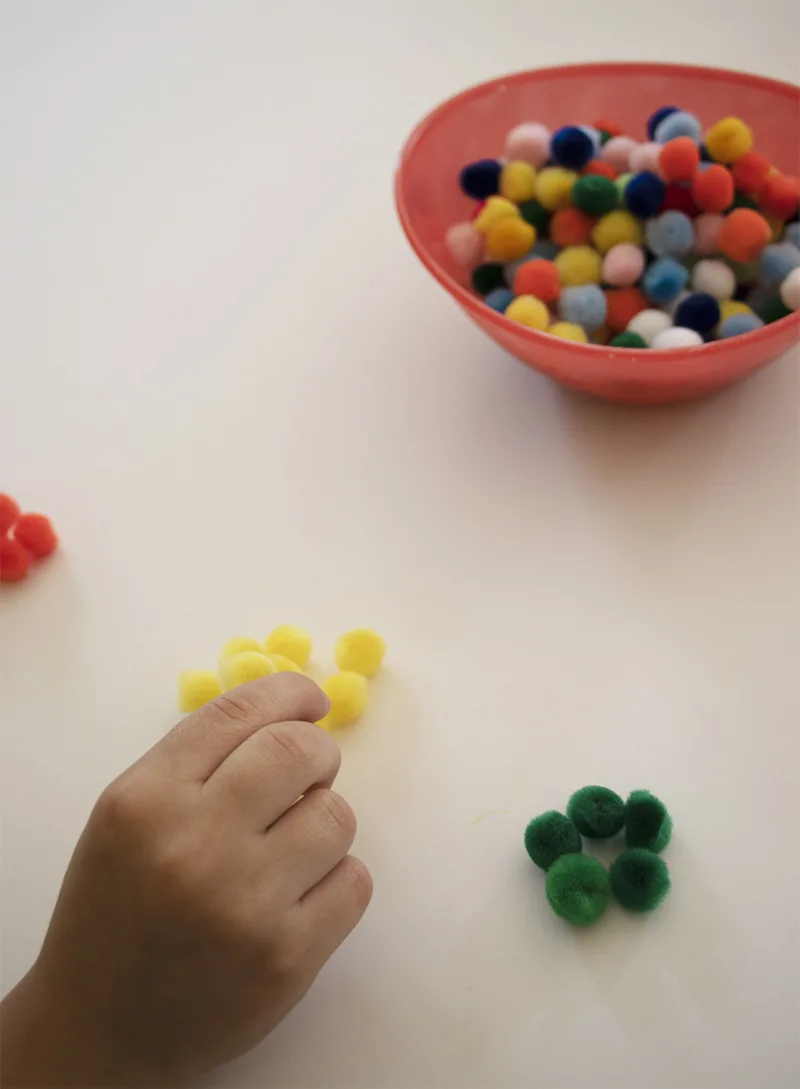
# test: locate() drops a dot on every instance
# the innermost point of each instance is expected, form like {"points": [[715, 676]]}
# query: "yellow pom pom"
{"points": [[244, 667], [578, 265], [283, 664], [238, 645], [567, 330], [530, 311], [195, 688], [730, 307], [615, 228], [517, 181], [347, 692], [552, 187], [360, 651], [291, 641], [495, 209], [510, 238], [729, 140]]}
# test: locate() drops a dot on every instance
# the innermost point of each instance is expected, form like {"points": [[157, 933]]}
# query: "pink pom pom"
{"points": [[645, 157], [623, 265], [706, 233], [528, 143], [465, 245], [618, 152]]}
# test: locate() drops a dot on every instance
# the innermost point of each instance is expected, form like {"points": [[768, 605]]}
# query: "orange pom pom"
{"points": [[743, 235], [9, 513], [679, 159], [611, 127], [780, 195], [538, 278], [35, 533], [624, 303], [750, 172], [712, 189], [597, 166], [571, 227], [14, 560]]}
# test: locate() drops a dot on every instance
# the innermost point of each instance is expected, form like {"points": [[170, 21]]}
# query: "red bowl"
{"points": [[473, 125]]}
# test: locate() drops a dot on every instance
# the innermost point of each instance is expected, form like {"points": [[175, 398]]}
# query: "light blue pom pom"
{"points": [[499, 299], [739, 323], [584, 306], [664, 280], [777, 262], [670, 234], [679, 124], [792, 234]]}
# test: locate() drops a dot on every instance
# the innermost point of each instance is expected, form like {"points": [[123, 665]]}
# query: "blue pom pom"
{"points": [[584, 306], [739, 323], [481, 179], [792, 234], [571, 147], [678, 124], [644, 194], [699, 312], [664, 280], [655, 119], [670, 235], [777, 262], [499, 299]]}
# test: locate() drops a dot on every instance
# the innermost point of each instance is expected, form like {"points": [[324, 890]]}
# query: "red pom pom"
{"points": [[538, 278], [9, 513], [679, 159], [679, 199], [597, 166], [712, 189], [780, 195], [624, 303], [36, 534], [14, 560], [611, 127], [571, 227], [744, 235], [750, 172]]}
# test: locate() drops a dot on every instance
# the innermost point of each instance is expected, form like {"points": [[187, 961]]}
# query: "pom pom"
{"points": [[571, 227], [774, 309], [750, 172], [729, 140], [566, 330], [596, 811], [510, 267], [537, 215], [517, 181], [538, 278], [36, 535], [597, 168], [621, 183], [9, 513], [671, 307], [529, 311], [706, 233], [646, 157], [14, 560], [640, 879], [623, 305], [656, 118], [578, 265], [623, 265], [647, 822], [670, 235], [196, 687], [578, 889], [712, 189], [729, 307], [649, 323], [553, 187], [790, 291], [629, 340], [776, 263], [616, 228], [595, 136], [644, 194], [714, 278], [464, 244], [779, 196], [494, 209], [618, 152], [550, 836], [679, 159], [360, 651], [510, 238], [678, 124], [679, 199], [292, 641], [664, 280], [584, 306], [481, 179], [238, 645], [611, 128], [676, 338], [283, 664], [487, 277], [348, 693], [571, 147], [595, 195], [545, 250], [243, 668], [499, 299], [738, 324], [743, 235], [529, 143], [699, 312]]}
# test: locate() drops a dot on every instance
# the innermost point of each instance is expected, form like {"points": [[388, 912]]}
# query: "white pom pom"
{"points": [[790, 290], [649, 323], [676, 337], [714, 278]]}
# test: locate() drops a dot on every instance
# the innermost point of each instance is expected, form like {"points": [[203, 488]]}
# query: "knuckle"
{"points": [[336, 814], [236, 706], [290, 744], [122, 806]]}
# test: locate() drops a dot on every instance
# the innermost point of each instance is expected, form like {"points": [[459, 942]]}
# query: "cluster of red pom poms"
{"points": [[23, 539]]}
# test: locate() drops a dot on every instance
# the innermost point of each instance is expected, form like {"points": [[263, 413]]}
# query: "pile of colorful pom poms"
{"points": [[578, 886], [358, 654], [23, 539], [592, 236]]}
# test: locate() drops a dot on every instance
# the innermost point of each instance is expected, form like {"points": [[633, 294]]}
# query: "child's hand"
{"points": [[201, 902]]}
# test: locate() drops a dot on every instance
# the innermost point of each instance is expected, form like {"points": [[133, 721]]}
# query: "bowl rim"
{"points": [[475, 305]]}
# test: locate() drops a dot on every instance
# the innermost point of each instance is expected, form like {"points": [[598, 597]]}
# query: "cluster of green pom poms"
{"points": [[578, 886]]}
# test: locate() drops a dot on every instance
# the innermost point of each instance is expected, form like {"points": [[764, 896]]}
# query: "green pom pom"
{"points": [[550, 836], [578, 889], [640, 879], [537, 215], [773, 310], [741, 200], [487, 277], [597, 812], [647, 822], [605, 136], [628, 340], [595, 195]]}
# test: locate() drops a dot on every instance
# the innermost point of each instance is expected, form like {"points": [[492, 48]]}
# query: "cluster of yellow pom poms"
{"points": [[358, 655]]}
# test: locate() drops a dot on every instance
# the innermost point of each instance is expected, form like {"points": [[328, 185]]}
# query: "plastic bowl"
{"points": [[473, 126]]}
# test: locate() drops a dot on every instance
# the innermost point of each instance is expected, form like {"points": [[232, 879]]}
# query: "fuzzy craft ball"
{"points": [[24, 537], [596, 811], [578, 889], [647, 821], [640, 879], [549, 836], [347, 692], [360, 651], [292, 641]]}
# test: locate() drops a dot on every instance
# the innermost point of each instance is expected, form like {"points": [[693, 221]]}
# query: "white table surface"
{"points": [[242, 401]]}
